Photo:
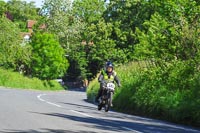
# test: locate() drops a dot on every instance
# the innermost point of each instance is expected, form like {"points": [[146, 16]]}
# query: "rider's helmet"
{"points": [[109, 64]]}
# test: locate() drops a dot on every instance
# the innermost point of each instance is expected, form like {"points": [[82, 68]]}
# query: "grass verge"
{"points": [[12, 79]]}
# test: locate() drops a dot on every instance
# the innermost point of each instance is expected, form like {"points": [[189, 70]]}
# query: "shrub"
{"points": [[170, 93], [48, 61], [12, 79], [92, 90]]}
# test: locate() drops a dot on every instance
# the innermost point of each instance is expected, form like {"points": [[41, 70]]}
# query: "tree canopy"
{"points": [[94, 31]]}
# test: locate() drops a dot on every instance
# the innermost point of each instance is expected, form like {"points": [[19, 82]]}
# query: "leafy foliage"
{"points": [[68, 27], [89, 32], [170, 94], [48, 59], [126, 16], [167, 41], [92, 90], [21, 11], [12, 54], [166, 35], [78, 64], [62, 22], [90, 11], [2, 8], [103, 48]]}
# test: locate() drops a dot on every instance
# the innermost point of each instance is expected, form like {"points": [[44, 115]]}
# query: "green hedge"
{"points": [[92, 90], [12, 79], [169, 93]]}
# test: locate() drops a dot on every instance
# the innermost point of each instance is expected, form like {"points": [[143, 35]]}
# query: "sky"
{"points": [[38, 3]]}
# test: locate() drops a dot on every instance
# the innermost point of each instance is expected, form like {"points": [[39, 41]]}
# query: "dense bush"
{"points": [[171, 93], [48, 58], [92, 90], [12, 53]]}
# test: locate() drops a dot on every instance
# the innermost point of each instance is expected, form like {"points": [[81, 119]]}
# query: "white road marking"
{"points": [[54, 104], [81, 113], [105, 121], [135, 131], [84, 114], [39, 97], [154, 122]]}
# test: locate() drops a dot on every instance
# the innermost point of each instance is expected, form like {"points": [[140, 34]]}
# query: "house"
{"points": [[30, 24], [27, 35]]}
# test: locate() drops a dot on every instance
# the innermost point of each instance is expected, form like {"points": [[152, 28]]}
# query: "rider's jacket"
{"points": [[109, 76], [112, 76]]}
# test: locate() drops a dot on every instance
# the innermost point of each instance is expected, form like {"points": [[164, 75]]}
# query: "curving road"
{"points": [[23, 111]]}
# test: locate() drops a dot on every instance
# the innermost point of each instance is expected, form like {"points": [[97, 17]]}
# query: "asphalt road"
{"points": [[23, 111]]}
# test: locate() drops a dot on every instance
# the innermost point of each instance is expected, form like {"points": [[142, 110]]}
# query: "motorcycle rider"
{"points": [[107, 74]]}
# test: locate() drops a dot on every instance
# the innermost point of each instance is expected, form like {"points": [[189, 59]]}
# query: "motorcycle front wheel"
{"points": [[108, 102], [107, 105]]}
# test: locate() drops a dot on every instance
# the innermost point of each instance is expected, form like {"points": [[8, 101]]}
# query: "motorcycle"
{"points": [[107, 94]]}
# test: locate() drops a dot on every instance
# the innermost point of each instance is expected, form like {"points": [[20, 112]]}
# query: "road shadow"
{"points": [[121, 125], [46, 131], [113, 113], [79, 106]]}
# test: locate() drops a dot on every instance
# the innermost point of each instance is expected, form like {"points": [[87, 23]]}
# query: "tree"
{"points": [[78, 64], [172, 35], [98, 45], [21, 11], [125, 17], [102, 47], [2, 8], [61, 21], [12, 54], [90, 11], [68, 27], [48, 59]]}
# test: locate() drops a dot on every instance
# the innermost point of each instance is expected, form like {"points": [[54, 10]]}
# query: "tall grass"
{"points": [[123, 73], [12, 79], [92, 90], [170, 93]]}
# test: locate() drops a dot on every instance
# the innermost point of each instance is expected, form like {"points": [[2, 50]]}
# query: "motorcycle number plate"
{"points": [[111, 86]]}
